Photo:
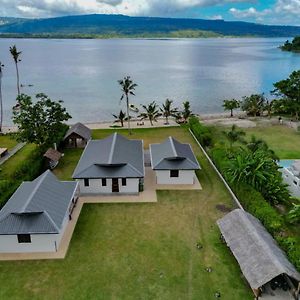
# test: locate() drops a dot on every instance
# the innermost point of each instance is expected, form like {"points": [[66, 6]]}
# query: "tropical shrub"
{"points": [[201, 132]]}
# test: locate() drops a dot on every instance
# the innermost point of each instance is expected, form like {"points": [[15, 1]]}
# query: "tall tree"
{"points": [[234, 135], [151, 112], [289, 89], [128, 88], [231, 105], [40, 122], [16, 57], [1, 103], [168, 111], [186, 113], [254, 105], [121, 117]]}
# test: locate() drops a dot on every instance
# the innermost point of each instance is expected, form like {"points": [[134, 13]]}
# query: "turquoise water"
{"points": [[285, 163], [84, 73]]}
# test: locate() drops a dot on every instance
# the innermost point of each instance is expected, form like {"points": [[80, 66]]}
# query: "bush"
{"points": [[201, 132]]}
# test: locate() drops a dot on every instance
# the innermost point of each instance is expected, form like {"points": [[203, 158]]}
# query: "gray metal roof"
{"points": [[38, 206], [112, 157], [80, 130], [257, 253], [173, 155]]}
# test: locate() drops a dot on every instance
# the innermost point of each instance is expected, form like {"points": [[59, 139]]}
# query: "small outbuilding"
{"points": [[35, 218], [173, 162], [114, 165], [263, 263], [77, 136], [53, 156]]}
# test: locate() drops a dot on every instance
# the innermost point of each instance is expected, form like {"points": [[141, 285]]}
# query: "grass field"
{"points": [[138, 251], [7, 141], [283, 140], [13, 162]]}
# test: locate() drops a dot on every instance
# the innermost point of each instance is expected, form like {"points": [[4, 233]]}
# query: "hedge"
{"points": [[201, 132]]}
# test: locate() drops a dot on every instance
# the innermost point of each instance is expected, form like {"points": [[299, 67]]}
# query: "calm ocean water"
{"points": [[84, 73]]}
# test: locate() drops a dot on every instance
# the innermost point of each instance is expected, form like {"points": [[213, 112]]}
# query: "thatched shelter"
{"points": [[53, 157], [257, 253], [77, 136]]}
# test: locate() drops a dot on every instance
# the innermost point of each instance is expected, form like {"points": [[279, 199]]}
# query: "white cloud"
{"points": [[216, 17], [251, 12], [45, 8]]}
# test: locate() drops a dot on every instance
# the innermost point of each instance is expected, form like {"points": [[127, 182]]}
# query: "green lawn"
{"points": [[283, 140], [138, 251], [7, 141], [13, 162]]}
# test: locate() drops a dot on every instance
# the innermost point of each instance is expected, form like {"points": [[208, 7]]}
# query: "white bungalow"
{"points": [[173, 162], [35, 218], [114, 165], [291, 176]]}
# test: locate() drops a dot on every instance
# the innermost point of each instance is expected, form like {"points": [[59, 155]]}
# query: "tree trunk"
{"points": [[128, 116], [150, 119], [231, 113], [18, 79], [1, 104], [122, 123], [167, 121]]}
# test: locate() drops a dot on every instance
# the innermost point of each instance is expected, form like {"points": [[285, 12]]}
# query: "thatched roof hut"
{"points": [[257, 253]]}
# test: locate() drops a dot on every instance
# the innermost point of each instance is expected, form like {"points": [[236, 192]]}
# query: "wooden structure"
{"points": [[53, 157], [77, 136]]}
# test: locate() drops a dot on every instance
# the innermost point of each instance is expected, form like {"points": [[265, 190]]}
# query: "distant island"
{"points": [[118, 26], [293, 46]]}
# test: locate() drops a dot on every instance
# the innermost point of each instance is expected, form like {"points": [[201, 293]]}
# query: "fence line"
{"points": [[236, 200]]}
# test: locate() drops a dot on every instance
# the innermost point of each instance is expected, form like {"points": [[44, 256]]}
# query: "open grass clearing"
{"points": [[138, 251], [7, 141]]}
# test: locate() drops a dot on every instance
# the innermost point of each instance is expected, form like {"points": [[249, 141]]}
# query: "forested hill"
{"points": [[120, 25]]}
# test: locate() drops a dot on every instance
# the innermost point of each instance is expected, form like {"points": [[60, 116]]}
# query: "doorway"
{"points": [[115, 185]]}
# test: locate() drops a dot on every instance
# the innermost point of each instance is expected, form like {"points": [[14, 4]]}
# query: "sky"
{"points": [[283, 12]]}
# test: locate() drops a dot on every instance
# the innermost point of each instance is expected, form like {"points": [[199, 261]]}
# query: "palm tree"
{"points": [[151, 112], [120, 118], [186, 113], [1, 104], [231, 105], [168, 111], [234, 135], [128, 87], [15, 54]]}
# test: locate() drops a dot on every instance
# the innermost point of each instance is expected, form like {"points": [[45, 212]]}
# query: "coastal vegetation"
{"points": [[16, 57], [250, 167], [293, 46], [231, 104], [151, 112], [168, 110], [41, 121], [121, 117]]}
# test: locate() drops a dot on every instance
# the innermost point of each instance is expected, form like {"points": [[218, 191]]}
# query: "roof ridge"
{"points": [[43, 176], [51, 220], [112, 149], [261, 241], [173, 146]]}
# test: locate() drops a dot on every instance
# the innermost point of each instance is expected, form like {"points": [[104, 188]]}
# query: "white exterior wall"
{"points": [[39, 242], [95, 186], [292, 181], [185, 177]]}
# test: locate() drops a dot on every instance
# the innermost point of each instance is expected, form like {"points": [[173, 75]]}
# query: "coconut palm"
{"points": [[151, 112], [231, 105], [234, 135], [16, 54], [121, 117], [128, 88], [186, 113], [1, 104], [168, 111]]}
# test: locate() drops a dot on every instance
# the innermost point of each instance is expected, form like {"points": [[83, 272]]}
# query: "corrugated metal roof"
{"points": [[173, 155], [257, 253], [112, 157], [80, 130], [38, 206]]}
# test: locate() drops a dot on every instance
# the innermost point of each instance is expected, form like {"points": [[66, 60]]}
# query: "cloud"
{"points": [[47, 8], [215, 17], [249, 13]]}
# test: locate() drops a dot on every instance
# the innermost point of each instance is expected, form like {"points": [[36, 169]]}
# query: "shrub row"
{"points": [[25, 171], [201, 132]]}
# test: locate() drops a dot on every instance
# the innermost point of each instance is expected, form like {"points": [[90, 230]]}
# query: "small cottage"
{"points": [[77, 136], [35, 218], [53, 156], [114, 165], [173, 162]]}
